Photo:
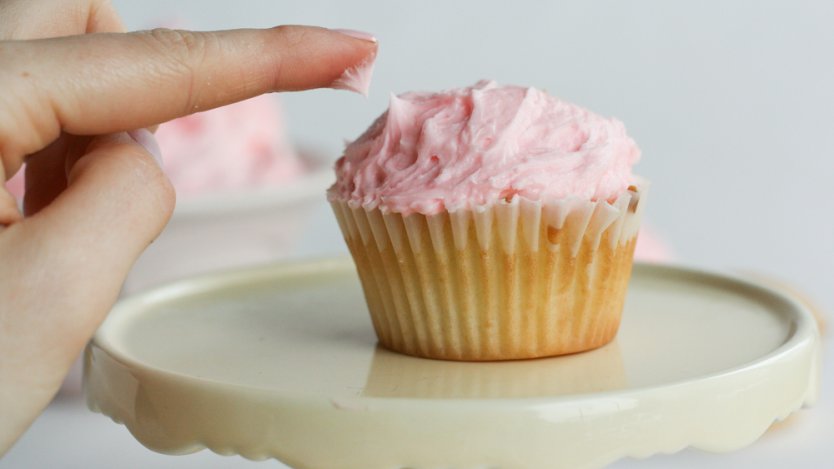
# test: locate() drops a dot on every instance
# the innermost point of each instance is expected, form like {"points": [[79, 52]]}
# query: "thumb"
{"points": [[74, 255], [82, 245], [117, 201]]}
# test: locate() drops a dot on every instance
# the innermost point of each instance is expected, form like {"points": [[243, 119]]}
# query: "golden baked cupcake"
{"points": [[490, 223]]}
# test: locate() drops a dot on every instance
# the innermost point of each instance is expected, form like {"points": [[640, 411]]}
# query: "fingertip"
{"points": [[119, 173], [314, 57]]}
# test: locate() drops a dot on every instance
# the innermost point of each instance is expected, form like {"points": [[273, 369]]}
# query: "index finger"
{"points": [[105, 83]]}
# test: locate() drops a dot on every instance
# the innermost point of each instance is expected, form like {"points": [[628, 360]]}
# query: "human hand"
{"points": [[95, 198]]}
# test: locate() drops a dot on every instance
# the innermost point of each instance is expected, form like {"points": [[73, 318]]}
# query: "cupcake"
{"points": [[237, 147], [490, 223]]}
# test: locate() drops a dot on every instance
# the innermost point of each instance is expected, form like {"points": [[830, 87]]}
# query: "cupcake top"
{"points": [[241, 146], [472, 147]]}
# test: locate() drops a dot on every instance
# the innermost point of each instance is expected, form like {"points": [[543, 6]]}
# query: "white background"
{"points": [[732, 104]]}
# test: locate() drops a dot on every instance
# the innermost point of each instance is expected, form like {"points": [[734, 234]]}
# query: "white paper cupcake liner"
{"points": [[518, 279]]}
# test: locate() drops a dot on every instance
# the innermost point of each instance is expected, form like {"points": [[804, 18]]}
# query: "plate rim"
{"points": [[804, 332]]}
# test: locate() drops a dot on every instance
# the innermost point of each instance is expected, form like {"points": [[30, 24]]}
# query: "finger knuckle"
{"points": [[181, 45], [293, 36], [182, 54]]}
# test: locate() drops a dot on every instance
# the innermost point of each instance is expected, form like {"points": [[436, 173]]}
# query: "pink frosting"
{"points": [[471, 147], [16, 184], [651, 247], [236, 147], [358, 78]]}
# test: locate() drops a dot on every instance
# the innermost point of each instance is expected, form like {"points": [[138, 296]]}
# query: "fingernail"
{"points": [[146, 139], [357, 34]]}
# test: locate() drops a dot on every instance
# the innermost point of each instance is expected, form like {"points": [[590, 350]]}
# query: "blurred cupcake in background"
{"points": [[243, 192], [239, 147]]}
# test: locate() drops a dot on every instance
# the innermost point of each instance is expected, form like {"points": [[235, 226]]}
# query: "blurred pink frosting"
{"points": [[357, 79], [473, 146], [15, 185], [651, 247], [236, 147]]}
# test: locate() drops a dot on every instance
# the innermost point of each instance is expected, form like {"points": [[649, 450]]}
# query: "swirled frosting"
{"points": [[471, 147]]}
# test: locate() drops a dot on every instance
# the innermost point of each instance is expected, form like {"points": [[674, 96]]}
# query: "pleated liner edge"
{"points": [[519, 279]]}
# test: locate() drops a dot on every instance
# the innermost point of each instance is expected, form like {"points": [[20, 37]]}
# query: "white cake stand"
{"points": [[281, 362]]}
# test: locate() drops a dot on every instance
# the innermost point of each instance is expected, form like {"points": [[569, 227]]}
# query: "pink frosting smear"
{"points": [[358, 78], [241, 146], [471, 147], [15, 185]]}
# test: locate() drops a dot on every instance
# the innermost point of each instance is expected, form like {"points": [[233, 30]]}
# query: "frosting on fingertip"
{"points": [[358, 77]]}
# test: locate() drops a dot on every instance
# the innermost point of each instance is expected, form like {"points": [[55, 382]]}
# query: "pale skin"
{"points": [[95, 197]]}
